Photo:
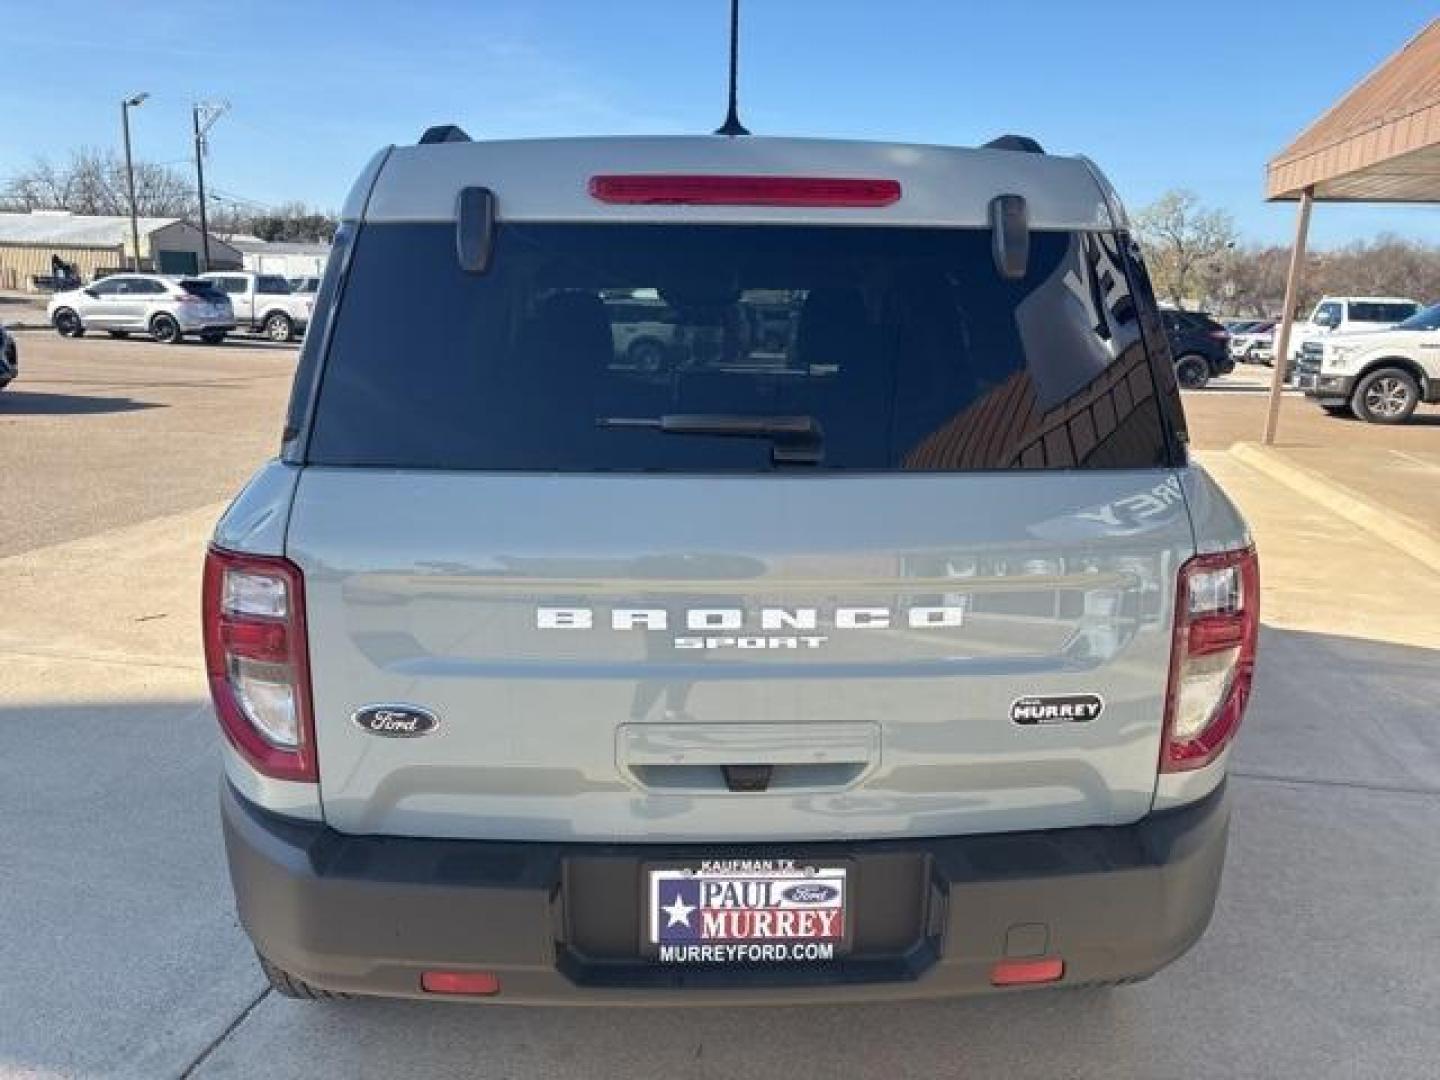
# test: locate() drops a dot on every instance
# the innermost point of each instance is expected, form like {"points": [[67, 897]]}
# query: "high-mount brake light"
{"points": [[1212, 662], [253, 610], [703, 190]]}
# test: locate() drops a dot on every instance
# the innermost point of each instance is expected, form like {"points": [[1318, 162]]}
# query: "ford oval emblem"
{"points": [[810, 894], [396, 721]]}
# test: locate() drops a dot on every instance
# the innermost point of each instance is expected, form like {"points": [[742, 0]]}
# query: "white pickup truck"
{"points": [[1348, 315], [1379, 376], [265, 303]]}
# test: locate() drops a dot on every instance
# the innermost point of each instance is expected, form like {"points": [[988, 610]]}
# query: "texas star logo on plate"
{"points": [[737, 914]]}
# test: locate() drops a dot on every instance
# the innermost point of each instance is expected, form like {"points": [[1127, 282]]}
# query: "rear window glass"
{"points": [[271, 284], [717, 347], [1369, 311], [206, 290]]}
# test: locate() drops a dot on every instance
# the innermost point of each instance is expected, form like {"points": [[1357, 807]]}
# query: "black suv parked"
{"points": [[1199, 345]]}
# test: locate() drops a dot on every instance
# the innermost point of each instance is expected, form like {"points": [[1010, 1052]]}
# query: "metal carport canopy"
{"points": [[1379, 143]]}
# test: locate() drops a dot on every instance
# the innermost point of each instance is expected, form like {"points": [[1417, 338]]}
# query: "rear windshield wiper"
{"points": [[795, 440]]}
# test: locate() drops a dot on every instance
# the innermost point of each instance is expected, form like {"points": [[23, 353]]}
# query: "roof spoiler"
{"points": [[443, 133], [1023, 143]]}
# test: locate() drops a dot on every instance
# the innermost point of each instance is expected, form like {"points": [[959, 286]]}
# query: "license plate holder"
{"points": [[723, 912]]}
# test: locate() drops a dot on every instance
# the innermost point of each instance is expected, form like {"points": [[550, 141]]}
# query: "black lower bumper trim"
{"points": [[559, 922]]}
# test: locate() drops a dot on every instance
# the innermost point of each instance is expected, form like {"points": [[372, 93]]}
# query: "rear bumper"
{"points": [[559, 923]]}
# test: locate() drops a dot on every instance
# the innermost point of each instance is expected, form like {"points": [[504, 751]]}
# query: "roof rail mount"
{"points": [[442, 133], [1023, 143]]}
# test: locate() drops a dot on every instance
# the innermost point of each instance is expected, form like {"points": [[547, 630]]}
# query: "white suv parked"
{"points": [[1378, 376], [166, 308]]}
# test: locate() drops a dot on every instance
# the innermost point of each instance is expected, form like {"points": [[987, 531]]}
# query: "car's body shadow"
{"points": [[16, 402]]}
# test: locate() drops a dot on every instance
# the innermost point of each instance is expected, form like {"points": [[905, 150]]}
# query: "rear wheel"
{"points": [[1386, 396], [290, 986], [1192, 372], [278, 326], [164, 329], [68, 324]]}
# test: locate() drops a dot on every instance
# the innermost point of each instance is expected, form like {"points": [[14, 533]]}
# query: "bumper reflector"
{"points": [[460, 982], [1027, 972]]}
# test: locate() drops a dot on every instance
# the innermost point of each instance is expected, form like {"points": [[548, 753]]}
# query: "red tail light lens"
{"points": [[253, 608], [655, 189], [1027, 972], [1212, 662], [460, 982]]}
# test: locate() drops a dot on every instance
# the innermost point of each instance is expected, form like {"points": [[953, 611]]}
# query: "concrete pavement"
{"points": [[99, 433], [121, 956]]}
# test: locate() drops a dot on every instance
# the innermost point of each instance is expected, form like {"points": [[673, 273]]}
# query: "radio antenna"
{"points": [[732, 125]]}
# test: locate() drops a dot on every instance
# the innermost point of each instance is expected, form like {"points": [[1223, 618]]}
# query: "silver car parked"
{"points": [[165, 308]]}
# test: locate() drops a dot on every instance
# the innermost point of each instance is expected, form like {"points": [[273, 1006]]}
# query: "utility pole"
{"points": [[125, 107], [204, 115]]}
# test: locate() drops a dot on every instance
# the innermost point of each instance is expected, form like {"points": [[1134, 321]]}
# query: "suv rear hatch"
{"points": [[866, 540]]}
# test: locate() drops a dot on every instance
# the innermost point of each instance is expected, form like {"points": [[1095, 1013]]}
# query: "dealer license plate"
{"points": [[746, 911]]}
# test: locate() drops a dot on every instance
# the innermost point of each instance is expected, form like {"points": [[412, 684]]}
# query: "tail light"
{"points": [[1212, 661], [253, 609], [711, 190]]}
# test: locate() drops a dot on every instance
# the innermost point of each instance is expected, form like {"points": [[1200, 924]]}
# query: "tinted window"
{"points": [[271, 284], [231, 285], [206, 290], [1425, 319], [108, 287], [1369, 311], [902, 347], [1328, 313], [148, 287]]}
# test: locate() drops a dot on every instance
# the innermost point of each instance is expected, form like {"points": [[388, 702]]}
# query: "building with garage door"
{"points": [[99, 244]]}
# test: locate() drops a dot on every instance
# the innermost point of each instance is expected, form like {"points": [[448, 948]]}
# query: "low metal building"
{"points": [[98, 244]]}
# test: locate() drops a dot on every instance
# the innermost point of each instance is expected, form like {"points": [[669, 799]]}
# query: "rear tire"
{"points": [[165, 330], [278, 327], [67, 323], [1386, 396], [287, 985], [1192, 371]]}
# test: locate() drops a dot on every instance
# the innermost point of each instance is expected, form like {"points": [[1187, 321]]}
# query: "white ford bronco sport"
{"points": [[881, 641]]}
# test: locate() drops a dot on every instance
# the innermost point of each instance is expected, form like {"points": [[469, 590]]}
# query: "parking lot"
{"points": [[118, 456]]}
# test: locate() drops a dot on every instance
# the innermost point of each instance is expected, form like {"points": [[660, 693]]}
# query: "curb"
{"points": [[1410, 536]]}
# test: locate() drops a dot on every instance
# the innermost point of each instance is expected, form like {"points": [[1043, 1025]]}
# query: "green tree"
{"points": [[1185, 246]]}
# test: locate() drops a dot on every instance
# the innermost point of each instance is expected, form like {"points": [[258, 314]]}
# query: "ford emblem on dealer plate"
{"points": [[810, 894], [396, 721]]}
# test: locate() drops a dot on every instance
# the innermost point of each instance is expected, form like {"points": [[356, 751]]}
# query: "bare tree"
{"points": [[1184, 245], [93, 182]]}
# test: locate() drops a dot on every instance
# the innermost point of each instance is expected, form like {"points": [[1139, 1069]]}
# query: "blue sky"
{"points": [[1160, 94]]}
